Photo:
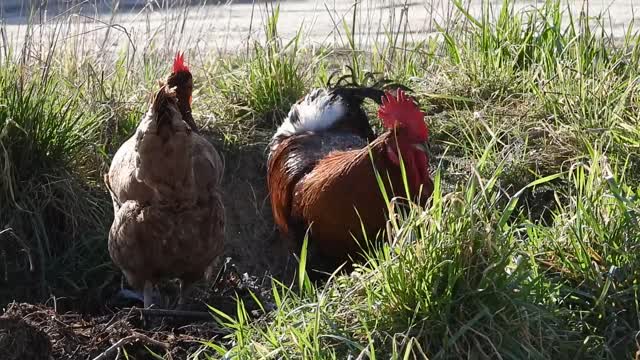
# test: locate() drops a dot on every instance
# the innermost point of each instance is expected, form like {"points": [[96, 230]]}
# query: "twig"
{"points": [[109, 25], [129, 339], [363, 354], [174, 313], [75, 352]]}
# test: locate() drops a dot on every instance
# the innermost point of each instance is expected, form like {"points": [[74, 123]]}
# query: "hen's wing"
{"points": [[121, 180], [208, 167]]}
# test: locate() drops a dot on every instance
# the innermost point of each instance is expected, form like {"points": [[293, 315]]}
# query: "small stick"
{"points": [[174, 313], [129, 339]]}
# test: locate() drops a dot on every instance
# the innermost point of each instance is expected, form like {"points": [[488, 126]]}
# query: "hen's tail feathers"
{"points": [[163, 98]]}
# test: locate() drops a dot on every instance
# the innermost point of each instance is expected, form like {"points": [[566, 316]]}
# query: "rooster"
{"points": [[322, 167], [165, 186]]}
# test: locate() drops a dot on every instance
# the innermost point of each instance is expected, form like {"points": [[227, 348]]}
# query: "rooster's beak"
{"points": [[424, 147]]}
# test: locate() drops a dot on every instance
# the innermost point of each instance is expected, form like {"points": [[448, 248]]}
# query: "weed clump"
{"points": [[262, 86], [51, 214]]}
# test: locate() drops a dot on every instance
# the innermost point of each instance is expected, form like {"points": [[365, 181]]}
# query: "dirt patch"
{"points": [[76, 337], [33, 331], [252, 247], [251, 239]]}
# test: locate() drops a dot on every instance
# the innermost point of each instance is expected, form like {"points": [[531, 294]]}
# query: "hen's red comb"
{"points": [[178, 63]]}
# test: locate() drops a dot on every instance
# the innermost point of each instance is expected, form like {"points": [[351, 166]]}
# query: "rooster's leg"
{"points": [[148, 294]]}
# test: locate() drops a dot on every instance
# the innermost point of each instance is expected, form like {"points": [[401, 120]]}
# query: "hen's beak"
{"points": [[424, 147]]}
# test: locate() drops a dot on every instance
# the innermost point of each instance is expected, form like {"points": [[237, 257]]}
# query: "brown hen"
{"points": [[165, 186]]}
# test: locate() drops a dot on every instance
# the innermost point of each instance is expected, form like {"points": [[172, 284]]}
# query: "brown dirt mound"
{"points": [[250, 237]]}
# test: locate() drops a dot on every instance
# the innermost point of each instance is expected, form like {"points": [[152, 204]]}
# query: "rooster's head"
{"points": [[402, 115]]}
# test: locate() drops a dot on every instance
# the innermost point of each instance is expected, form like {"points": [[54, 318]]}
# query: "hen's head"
{"points": [[182, 80], [401, 115]]}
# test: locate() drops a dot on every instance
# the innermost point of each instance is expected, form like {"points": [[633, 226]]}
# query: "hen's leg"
{"points": [[185, 290], [148, 294]]}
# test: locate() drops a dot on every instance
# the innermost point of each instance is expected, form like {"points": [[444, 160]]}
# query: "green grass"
{"points": [[529, 248], [254, 91], [47, 195]]}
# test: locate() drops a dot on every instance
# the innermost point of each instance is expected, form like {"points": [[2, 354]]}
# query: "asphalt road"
{"points": [[227, 27]]}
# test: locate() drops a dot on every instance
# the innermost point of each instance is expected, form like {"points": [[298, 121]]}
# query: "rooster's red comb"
{"points": [[178, 63], [402, 111]]}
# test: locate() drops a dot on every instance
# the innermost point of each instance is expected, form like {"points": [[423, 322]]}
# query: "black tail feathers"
{"points": [[360, 90]]}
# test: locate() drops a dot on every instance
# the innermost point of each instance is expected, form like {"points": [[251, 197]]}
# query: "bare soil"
{"points": [[251, 240], [40, 332]]}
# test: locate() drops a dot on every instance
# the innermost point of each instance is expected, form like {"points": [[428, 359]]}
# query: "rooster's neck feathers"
{"points": [[318, 111]]}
